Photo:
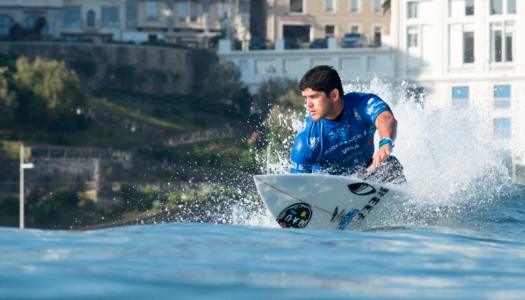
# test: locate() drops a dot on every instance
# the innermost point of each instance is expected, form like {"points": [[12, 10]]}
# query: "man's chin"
{"points": [[315, 117]]}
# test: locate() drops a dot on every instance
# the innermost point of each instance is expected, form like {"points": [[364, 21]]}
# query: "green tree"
{"points": [[223, 89], [54, 89], [8, 102], [270, 90]]}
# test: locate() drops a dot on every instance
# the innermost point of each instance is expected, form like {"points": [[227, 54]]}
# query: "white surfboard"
{"points": [[318, 201]]}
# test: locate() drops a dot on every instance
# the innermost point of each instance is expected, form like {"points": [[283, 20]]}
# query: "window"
{"points": [[5, 24], [329, 5], [354, 29], [206, 7], [321, 62], [469, 7], [413, 10], [461, 8], [377, 36], [244, 7], [30, 22], [502, 96], [243, 65], [412, 39], [152, 10], [194, 11], [468, 47], [371, 64], [377, 6], [502, 129], [264, 66], [350, 65], [296, 6], [496, 7], [110, 17], [71, 17], [511, 7], [354, 6], [90, 19], [502, 42], [292, 66], [460, 97], [329, 30], [508, 41], [183, 11]]}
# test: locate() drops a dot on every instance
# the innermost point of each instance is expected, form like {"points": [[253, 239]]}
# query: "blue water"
{"points": [[476, 255]]}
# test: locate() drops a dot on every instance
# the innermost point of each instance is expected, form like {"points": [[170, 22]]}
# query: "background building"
{"points": [[467, 53], [192, 23], [99, 20], [314, 19], [26, 12]]}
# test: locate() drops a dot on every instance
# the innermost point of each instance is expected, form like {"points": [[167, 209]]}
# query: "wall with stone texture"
{"points": [[157, 70]]}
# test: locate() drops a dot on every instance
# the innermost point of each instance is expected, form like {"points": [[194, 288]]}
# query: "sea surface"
{"points": [[479, 255]]}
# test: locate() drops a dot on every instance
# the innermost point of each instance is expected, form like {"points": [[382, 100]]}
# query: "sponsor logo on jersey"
{"points": [[356, 115], [348, 218], [361, 189], [303, 127], [314, 142], [295, 216]]}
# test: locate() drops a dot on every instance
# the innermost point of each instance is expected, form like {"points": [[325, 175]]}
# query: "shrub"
{"points": [[44, 212], [125, 73], [10, 205], [159, 111], [65, 196], [176, 111], [88, 67]]}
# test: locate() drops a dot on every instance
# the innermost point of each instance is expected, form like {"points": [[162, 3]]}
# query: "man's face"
{"points": [[318, 104]]}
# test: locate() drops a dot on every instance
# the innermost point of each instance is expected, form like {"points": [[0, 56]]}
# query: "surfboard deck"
{"points": [[319, 201]]}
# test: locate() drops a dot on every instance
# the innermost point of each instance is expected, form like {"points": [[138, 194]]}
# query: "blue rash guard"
{"points": [[339, 148]]}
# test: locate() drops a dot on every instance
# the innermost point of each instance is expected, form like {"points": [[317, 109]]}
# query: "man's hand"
{"points": [[380, 156], [386, 124]]}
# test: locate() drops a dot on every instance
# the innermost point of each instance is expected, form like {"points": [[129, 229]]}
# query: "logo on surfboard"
{"points": [[295, 216], [361, 189], [347, 219]]}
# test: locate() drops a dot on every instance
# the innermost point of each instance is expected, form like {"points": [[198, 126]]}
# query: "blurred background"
{"points": [[132, 110]]}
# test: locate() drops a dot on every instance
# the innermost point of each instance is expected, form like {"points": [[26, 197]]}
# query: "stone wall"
{"points": [[157, 70]]}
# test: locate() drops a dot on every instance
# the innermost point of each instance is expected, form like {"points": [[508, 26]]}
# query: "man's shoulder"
{"points": [[360, 96], [308, 124]]}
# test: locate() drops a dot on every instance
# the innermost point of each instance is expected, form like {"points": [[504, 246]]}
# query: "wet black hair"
{"points": [[322, 79]]}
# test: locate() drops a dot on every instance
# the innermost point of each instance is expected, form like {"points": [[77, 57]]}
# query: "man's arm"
{"points": [[387, 126], [301, 161]]}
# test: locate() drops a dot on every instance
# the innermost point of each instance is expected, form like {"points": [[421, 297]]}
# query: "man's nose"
{"points": [[309, 103]]}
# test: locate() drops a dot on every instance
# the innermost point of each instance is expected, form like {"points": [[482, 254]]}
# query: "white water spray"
{"points": [[448, 157]]}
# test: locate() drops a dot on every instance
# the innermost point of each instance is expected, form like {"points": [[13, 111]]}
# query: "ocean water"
{"points": [[481, 257], [461, 236]]}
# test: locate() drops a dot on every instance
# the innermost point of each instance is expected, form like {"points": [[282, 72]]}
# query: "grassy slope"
{"points": [[169, 121]]}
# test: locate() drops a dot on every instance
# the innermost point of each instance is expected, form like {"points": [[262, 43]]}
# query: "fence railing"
{"points": [[80, 153], [205, 135]]}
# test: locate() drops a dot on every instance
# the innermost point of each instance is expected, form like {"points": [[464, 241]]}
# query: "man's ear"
{"points": [[334, 95]]}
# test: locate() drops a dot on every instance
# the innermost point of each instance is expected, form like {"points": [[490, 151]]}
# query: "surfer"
{"points": [[338, 136]]}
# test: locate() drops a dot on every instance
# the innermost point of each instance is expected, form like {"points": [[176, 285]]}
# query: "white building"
{"points": [[466, 53], [352, 63]]}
